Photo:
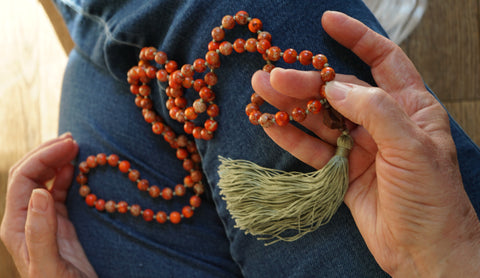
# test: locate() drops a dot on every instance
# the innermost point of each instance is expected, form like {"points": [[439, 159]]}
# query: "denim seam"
{"points": [[106, 31]]}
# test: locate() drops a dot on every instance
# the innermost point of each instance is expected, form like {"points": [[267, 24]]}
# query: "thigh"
{"points": [[103, 118]]}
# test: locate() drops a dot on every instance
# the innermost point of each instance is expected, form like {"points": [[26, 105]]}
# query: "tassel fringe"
{"points": [[267, 202]]}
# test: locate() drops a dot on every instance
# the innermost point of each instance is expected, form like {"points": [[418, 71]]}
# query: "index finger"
{"points": [[35, 169], [391, 68]]}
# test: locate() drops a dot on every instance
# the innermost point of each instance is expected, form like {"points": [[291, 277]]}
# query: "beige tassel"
{"points": [[267, 202]]}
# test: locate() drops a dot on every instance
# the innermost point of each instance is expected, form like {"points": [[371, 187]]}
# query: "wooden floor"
{"points": [[445, 48]]}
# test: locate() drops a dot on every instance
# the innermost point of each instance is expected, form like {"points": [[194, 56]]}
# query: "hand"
{"points": [[406, 193], [35, 227]]}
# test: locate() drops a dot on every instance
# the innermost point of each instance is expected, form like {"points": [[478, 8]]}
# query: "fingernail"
{"points": [[39, 200], [65, 134], [337, 90]]}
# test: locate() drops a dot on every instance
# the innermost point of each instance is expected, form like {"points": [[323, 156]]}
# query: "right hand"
{"points": [[35, 228]]}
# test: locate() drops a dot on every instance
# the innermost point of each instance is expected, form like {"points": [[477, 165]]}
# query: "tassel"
{"points": [[267, 202]]}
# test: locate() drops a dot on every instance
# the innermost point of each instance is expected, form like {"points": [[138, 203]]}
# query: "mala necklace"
{"points": [[263, 202]]}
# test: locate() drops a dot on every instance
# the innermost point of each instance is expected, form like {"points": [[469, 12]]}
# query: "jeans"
{"points": [[99, 110]]}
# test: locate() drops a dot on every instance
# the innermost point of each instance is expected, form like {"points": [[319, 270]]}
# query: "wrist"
{"points": [[457, 255]]}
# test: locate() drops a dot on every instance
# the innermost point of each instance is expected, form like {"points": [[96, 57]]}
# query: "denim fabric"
{"points": [[100, 112]]}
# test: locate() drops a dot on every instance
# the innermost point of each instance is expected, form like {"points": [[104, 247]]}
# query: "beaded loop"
{"points": [[155, 64]]}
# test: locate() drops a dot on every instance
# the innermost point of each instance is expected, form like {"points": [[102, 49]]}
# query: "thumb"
{"points": [[374, 109], [40, 233]]}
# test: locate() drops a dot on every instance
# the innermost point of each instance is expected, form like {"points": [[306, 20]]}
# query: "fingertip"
{"points": [[260, 79], [39, 200]]}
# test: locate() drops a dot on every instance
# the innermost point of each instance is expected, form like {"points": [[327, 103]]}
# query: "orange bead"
{"points": [[171, 66], [151, 72], [254, 117], [182, 154], [188, 127], [110, 206], [148, 215], [305, 57], [149, 116], [198, 188], [195, 201], [327, 74], [228, 22], [212, 58], [135, 210], [197, 132], [251, 45], [319, 61], [180, 102], [264, 36], [100, 205], [196, 175], [113, 160], [274, 53], [241, 17], [187, 181], [213, 45], [282, 118], [83, 167], [146, 103], [218, 34], [122, 207], [175, 217], [239, 45], [211, 78], [90, 200], [207, 95], [199, 65], [314, 106], [290, 56], [176, 77], [161, 217], [187, 82], [250, 108], [213, 110], [101, 159], [199, 84], [161, 57], [182, 141], [180, 190], [190, 113], [91, 161], [84, 190], [167, 193], [268, 67], [266, 120], [173, 112], [157, 128], [188, 164], [255, 25], [162, 75], [187, 70], [82, 179], [298, 114], [262, 46], [211, 125], [134, 89], [187, 211], [256, 99], [205, 134], [134, 175], [226, 48], [143, 185]]}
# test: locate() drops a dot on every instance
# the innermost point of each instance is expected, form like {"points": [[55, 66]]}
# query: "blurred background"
{"points": [[445, 47]]}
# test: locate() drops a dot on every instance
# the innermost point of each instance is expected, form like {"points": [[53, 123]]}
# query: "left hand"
{"points": [[35, 228]]}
